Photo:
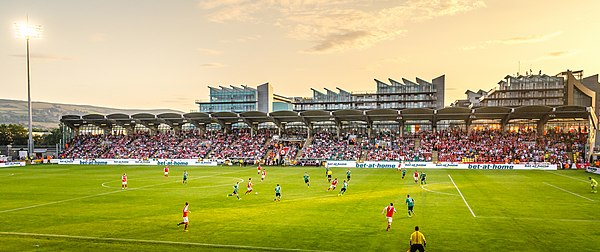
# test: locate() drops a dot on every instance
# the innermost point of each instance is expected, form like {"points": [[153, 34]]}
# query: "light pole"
{"points": [[27, 32]]}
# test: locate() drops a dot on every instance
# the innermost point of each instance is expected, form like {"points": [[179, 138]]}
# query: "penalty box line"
{"points": [[100, 194], [463, 197], [209, 245], [564, 190]]}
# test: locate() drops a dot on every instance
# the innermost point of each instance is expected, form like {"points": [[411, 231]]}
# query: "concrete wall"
{"points": [[440, 86], [265, 98], [591, 82]]}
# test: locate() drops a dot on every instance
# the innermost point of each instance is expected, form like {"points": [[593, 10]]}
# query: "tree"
{"points": [[19, 134], [13, 134], [5, 135], [50, 139]]}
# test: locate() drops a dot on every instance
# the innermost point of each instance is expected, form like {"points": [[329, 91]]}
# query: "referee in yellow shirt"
{"points": [[417, 241]]}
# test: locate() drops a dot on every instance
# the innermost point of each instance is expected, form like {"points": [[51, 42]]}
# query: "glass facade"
{"points": [[581, 99], [395, 95], [234, 99], [527, 90], [278, 106]]}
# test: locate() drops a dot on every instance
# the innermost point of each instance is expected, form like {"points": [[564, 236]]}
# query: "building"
{"points": [[590, 82], [553, 93], [395, 95], [473, 99], [566, 88], [243, 98]]}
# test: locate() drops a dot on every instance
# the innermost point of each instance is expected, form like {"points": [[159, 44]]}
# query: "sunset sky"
{"points": [[164, 54]]}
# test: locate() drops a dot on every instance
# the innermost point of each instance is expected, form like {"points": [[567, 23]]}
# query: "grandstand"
{"points": [[529, 134]]}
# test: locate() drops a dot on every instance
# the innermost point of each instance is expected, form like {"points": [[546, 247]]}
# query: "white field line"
{"points": [[568, 191], [558, 174], [463, 197], [423, 186], [538, 219], [208, 245], [96, 195], [56, 202]]}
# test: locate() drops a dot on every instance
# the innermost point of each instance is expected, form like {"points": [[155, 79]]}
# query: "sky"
{"points": [[150, 54]]}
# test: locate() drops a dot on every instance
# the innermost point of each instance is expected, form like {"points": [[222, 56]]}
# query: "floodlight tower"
{"points": [[28, 31]]}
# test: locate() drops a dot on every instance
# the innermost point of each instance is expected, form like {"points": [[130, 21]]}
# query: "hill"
{"points": [[46, 115]]}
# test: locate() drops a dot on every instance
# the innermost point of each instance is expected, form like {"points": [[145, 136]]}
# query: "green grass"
{"points": [[516, 210]]}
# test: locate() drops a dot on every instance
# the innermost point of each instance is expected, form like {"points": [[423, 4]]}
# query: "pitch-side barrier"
{"points": [[172, 162], [442, 165], [11, 164], [594, 170]]}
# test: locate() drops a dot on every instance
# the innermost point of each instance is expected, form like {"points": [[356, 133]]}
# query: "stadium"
{"points": [[534, 134], [487, 168], [371, 165]]}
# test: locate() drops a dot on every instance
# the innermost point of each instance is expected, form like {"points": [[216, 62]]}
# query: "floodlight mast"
{"points": [[27, 32]]}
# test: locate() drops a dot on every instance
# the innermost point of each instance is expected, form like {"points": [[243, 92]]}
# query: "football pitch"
{"points": [[83, 208]]}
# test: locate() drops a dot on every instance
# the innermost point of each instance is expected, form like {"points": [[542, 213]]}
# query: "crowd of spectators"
{"points": [[169, 144], [280, 151], [240, 144], [484, 146], [86, 146], [390, 146], [327, 145], [487, 146]]}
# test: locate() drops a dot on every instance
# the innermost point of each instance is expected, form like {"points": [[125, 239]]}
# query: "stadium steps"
{"points": [[267, 151], [306, 144], [435, 156], [363, 155], [108, 147], [267, 142]]}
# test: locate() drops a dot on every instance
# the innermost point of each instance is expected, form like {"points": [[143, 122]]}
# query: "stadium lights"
{"points": [[27, 32]]}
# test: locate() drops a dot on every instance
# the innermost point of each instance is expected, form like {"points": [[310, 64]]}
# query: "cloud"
{"points": [[222, 11], [213, 65], [526, 40], [209, 51], [539, 38], [556, 55], [46, 57], [336, 25], [341, 40]]}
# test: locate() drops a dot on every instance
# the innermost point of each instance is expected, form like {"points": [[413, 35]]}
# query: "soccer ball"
{"points": [[256, 192]]}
